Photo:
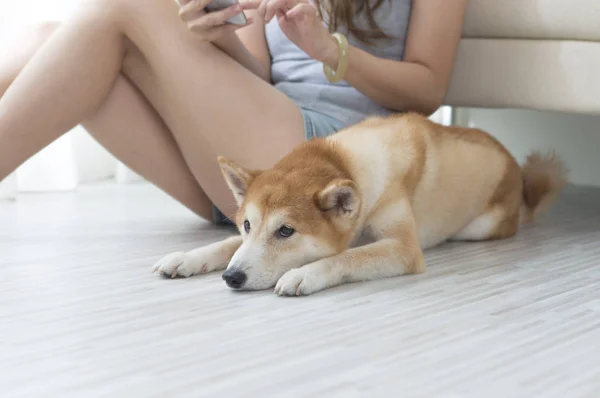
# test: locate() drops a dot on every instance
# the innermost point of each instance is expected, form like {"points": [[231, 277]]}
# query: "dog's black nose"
{"points": [[235, 279]]}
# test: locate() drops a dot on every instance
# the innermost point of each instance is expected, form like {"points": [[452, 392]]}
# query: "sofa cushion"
{"points": [[537, 74], [533, 19]]}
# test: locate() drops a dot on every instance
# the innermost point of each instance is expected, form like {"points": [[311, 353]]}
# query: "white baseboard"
{"points": [[53, 169], [125, 175], [8, 187], [94, 163]]}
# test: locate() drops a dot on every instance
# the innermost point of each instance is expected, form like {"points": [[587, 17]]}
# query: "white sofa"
{"points": [[531, 54]]}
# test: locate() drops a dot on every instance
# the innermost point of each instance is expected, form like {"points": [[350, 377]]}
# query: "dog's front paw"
{"points": [[300, 282], [179, 264]]}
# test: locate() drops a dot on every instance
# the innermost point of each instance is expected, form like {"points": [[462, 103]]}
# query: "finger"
{"points": [[191, 15], [251, 4], [262, 9], [191, 8], [302, 10], [184, 2], [220, 17], [275, 5], [270, 9], [214, 32]]}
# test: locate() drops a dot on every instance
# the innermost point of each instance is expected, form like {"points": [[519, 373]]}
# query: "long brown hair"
{"points": [[341, 13]]}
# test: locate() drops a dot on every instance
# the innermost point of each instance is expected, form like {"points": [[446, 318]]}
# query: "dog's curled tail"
{"points": [[544, 177]]}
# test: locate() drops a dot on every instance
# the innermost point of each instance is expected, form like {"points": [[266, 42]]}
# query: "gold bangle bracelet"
{"points": [[338, 74]]}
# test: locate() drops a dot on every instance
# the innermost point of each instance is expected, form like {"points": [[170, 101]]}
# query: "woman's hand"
{"points": [[212, 26], [301, 23]]}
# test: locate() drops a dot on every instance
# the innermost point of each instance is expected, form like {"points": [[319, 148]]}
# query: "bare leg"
{"points": [[225, 109], [50, 96], [126, 125], [20, 52], [134, 133], [210, 103]]}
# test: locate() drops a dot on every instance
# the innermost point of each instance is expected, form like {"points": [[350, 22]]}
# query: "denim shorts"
{"points": [[319, 125], [316, 124]]}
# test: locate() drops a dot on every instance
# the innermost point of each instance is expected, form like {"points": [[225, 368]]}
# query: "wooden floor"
{"points": [[82, 316]]}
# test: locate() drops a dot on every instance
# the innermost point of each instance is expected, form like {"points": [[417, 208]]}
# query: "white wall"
{"points": [[14, 13], [576, 138], [93, 161], [8, 187]]}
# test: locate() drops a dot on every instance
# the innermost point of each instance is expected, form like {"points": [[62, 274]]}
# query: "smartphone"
{"points": [[216, 5]]}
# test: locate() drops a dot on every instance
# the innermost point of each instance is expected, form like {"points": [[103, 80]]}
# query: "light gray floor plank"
{"points": [[81, 315]]}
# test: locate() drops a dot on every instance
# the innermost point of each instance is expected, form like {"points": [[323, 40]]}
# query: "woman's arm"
{"points": [[255, 40], [248, 46], [420, 81]]}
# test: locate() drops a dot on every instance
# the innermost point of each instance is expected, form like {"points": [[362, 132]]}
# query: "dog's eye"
{"points": [[285, 231], [247, 226]]}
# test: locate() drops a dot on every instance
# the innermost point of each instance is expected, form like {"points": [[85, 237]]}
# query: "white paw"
{"points": [[300, 282], [180, 264]]}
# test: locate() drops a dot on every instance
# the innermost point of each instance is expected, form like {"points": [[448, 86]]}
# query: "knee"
{"points": [[102, 12], [21, 49], [119, 11], [129, 17], [34, 36], [44, 30]]}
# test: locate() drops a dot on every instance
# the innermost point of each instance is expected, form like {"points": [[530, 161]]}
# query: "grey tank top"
{"points": [[302, 79]]}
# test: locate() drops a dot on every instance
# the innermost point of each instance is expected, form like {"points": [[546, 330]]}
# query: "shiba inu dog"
{"points": [[363, 203]]}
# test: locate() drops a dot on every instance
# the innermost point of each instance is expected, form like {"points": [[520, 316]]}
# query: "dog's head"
{"points": [[291, 215]]}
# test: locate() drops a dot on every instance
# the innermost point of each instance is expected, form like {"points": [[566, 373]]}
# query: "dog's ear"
{"points": [[238, 178], [340, 196]]}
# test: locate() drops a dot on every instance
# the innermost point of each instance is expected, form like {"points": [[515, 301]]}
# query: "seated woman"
{"points": [[167, 87]]}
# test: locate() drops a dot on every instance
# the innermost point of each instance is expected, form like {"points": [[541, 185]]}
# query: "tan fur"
{"points": [[310, 169], [366, 201], [544, 176]]}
